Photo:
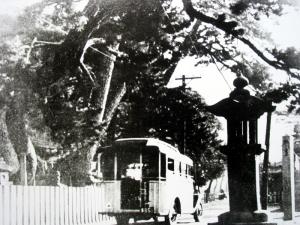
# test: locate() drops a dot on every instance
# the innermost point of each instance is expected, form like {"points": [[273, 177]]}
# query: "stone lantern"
{"points": [[241, 110]]}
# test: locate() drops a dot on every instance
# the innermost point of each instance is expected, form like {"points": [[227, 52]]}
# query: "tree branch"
{"points": [[108, 72], [115, 52], [43, 43], [102, 53], [35, 43], [89, 44], [29, 51], [222, 25]]}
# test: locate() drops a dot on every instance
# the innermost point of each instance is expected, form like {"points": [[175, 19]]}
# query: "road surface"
{"points": [[211, 211]]}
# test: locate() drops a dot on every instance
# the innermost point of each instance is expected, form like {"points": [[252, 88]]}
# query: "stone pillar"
{"points": [[288, 181], [297, 183], [297, 166], [57, 178], [242, 190], [257, 183], [23, 169], [241, 182]]}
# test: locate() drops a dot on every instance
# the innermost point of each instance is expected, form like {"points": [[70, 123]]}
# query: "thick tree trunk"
{"points": [[102, 106], [7, 151], [16, 126], [112, 106], [31, 157]]}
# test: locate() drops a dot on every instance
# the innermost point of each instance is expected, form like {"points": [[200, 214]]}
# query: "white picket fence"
{"points": [[47, 205]]}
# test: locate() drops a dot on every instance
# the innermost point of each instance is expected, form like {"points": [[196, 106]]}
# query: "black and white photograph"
{"points": [[149, 112]]}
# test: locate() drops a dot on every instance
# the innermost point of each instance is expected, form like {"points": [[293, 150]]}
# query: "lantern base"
{"points": [[243, 218]]}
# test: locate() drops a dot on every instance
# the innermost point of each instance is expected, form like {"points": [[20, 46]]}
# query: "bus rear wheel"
{"points": [[122, 219], [171, 218]]}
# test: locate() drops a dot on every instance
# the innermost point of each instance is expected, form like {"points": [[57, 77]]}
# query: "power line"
{"points": [[215, 63]]}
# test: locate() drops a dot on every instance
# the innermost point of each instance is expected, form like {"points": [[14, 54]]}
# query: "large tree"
{"points": [[76, 60]]}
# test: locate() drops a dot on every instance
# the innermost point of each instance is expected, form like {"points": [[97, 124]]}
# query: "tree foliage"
{"points": [[75, 60]]}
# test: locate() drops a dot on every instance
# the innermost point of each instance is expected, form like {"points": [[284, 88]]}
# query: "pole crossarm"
{"points": [[184, 78]]}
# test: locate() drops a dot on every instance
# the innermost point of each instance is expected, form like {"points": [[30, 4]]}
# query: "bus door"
{"points": [[150, 169], [130, 173]]}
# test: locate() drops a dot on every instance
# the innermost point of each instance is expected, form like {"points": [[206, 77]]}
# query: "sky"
{"points": [[14, 7], [213, 85]]}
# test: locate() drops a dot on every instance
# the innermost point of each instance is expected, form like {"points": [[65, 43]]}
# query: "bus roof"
{"points": [[149, 142], [163, 147]]}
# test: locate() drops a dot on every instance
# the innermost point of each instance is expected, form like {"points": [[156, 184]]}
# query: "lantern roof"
{"points": [[241, 105]]}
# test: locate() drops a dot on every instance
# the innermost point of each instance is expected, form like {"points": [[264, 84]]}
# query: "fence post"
{"points": [[23, 169]]}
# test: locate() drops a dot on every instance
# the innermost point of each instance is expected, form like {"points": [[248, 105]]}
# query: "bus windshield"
{"points": [[128, 164], [132, 163]]}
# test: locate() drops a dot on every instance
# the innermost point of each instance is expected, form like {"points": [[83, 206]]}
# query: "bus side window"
{"points": [[171, 164], [183, 169], [180, 168], [190, 171], [163, 165]]}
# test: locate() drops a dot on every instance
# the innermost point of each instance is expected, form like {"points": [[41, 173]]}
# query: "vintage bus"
{"points": [[146, 178]]}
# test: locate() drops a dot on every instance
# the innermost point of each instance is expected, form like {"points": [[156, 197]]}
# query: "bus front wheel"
{"points": [[198, 212], [171, 218], [122, 219]]}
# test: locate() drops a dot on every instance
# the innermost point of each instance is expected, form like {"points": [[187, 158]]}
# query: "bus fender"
{"points": [[176, 205]]}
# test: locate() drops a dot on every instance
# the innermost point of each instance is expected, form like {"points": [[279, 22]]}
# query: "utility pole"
{"points": [[183, 78]]}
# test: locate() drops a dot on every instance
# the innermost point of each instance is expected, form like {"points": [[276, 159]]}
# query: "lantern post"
{"points": [[241, 110]]}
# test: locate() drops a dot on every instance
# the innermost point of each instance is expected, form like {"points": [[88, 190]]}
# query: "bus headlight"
{"points": [[108, 205]]}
